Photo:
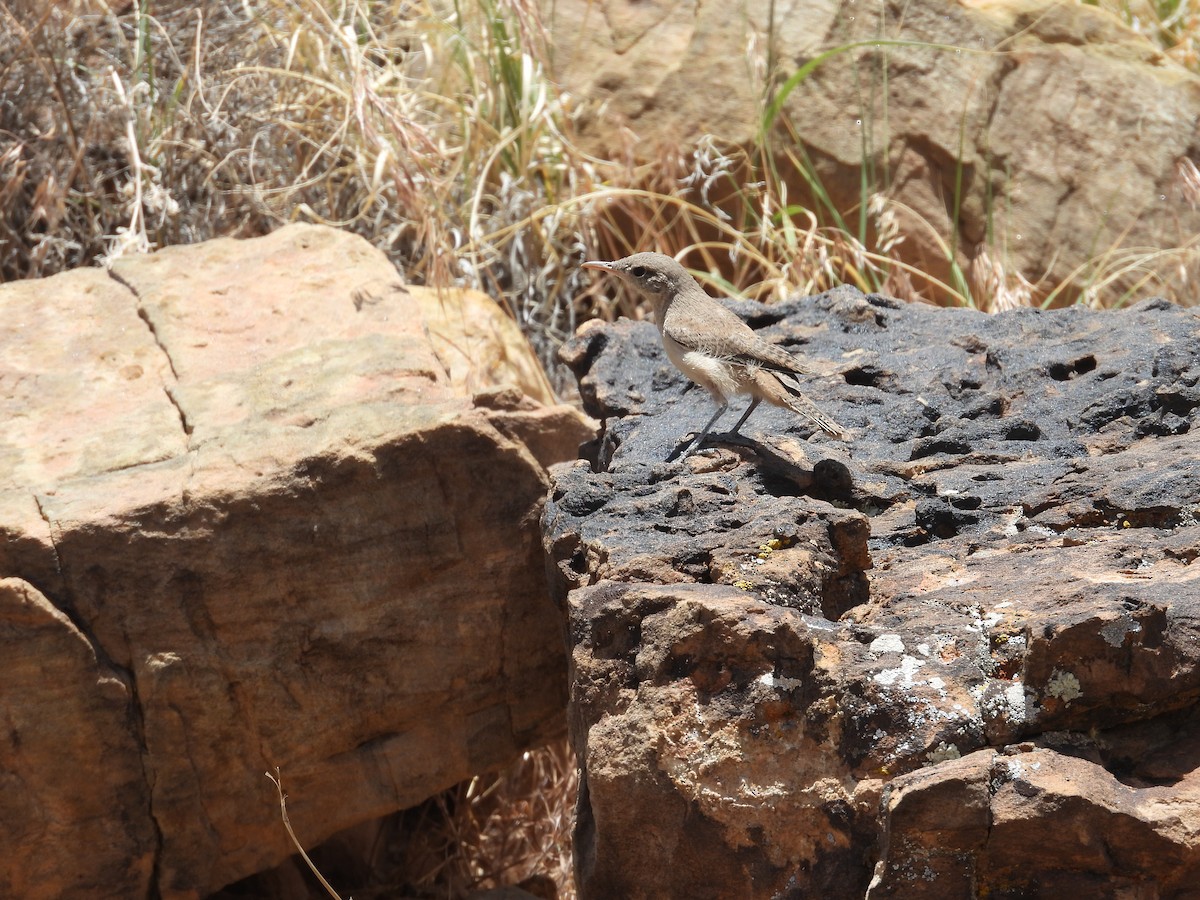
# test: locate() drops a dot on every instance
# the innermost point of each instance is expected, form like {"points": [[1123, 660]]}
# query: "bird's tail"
{"points": [[793, 398]]}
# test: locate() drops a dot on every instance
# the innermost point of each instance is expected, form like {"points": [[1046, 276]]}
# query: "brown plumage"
{"points": [[712, 346]]}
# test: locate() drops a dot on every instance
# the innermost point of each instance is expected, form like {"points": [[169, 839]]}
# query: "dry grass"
{"points": [[496, 830], [1172, 24], [432, 129], [509, 828]]}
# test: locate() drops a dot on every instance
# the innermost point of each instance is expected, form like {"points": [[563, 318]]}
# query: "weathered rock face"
{"points": [[1035, 822], [957, 655], [1053, 125], [72, 783], [249, 522]]}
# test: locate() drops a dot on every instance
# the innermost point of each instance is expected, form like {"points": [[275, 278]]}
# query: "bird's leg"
{"points": [[746, 414], [703, 434]]}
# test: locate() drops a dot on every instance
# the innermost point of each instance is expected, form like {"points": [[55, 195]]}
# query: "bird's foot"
{"points": [[688, 444], [681, 452]]}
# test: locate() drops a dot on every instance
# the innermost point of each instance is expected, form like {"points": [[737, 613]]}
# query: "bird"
{"points": [[712, 346]]}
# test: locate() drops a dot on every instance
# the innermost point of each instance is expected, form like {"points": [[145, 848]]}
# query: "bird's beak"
{"points": [[597, 264]]}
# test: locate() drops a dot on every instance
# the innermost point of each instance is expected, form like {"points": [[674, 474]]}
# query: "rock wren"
{"points": [[712, 346]]}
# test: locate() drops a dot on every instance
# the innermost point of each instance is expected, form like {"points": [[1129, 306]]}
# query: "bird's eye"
{"points": [[638, 271]]}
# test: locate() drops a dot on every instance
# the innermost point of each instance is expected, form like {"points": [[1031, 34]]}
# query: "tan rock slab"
{"points": [[302, 543], [82, 382]]}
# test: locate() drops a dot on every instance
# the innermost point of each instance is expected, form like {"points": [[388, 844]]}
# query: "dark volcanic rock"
{"points": [[906, 662]]}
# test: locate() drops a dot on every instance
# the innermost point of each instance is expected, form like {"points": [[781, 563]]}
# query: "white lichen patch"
{"points": [[1016, 771], [902, 674], [975, 625], [1063, 686], [1014, 698], [887, 643], [778, 682], [942, 752], [1007, 704], [819, 624], [992, 619], [1114, 634]]}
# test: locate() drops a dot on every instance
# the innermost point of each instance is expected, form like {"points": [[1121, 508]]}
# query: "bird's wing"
{"points": [[709, 327], [794, 399]]}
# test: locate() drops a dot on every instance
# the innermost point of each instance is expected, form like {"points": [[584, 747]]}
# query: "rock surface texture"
{"points": [[248, 520], [1049, 125], [956, 656]]}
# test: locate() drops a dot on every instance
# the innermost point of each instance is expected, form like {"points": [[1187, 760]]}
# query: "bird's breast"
{"points": [[717, 375]]}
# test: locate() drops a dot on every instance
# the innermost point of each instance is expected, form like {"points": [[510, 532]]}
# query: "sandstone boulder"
{"points": [[250, 521], [957, 655]]}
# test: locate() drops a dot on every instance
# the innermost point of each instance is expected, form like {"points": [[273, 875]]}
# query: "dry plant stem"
{"points": [[277, 780], [131, 237]]}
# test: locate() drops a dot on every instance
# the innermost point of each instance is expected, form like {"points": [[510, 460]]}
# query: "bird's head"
{"points": [[656, 276]]}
